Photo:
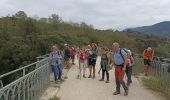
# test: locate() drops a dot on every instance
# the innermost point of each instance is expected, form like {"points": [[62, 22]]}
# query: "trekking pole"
{"points": [[99, 70]]}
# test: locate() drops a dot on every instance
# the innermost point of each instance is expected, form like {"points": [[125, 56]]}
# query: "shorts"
{"points": [[147, 62], [92, 62], [119, 73]]}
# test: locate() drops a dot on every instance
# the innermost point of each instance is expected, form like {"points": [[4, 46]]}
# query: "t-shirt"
{"points": [[93, 53], [118, 59]]}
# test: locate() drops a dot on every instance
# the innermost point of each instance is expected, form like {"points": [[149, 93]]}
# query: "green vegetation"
{"points": [[157, 84], [55, 98], [23, 38]]}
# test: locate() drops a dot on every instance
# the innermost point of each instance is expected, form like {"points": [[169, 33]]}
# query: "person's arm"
{"points": [[126, 62], [112, 62], [152, 55], [109, 58]]}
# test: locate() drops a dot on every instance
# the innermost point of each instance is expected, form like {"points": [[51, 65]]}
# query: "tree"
{"points": [[21, 14]]}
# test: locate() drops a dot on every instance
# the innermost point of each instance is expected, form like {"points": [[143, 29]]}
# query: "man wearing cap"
{"points": [[147, 58]]}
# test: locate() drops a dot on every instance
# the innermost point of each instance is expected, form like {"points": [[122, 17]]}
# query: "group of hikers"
{"points": [[121, 59]]}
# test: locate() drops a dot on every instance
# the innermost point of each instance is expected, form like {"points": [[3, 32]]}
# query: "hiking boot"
{"points": [[116, 93], [93, 77], [101, 80], [107, 81], [62, 80], [89, 76], [126, 93], [84, 76]]}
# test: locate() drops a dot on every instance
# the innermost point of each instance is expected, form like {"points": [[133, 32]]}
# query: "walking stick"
{"points": [[99, 70]]}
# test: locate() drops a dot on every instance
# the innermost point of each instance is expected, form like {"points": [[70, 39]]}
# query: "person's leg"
{"points": [[107, 74], [55, 73], [121, 81], [90, 67], [128, 74], [117, 83], [60, 71], [103, 73], [84, 70], [94, 70]]}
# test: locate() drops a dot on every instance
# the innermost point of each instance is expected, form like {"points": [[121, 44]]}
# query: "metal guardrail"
{"points": [[158, 71], [30, 86]]}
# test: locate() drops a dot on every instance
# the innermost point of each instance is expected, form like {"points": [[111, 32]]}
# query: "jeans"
{"points": [[59, 69], [129, 74], [104, 66], [54, 69]]}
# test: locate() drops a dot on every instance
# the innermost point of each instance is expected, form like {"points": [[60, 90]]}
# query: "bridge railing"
{"points": [[158, 72], [30, 86]]}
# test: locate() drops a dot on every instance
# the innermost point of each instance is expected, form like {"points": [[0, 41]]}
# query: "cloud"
{"points": [[103, 14]]}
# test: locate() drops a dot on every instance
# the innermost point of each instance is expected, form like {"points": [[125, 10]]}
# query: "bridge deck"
{"points": [[92, 89]]}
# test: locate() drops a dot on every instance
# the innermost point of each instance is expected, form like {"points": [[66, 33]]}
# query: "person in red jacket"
{"points": [[73, 53]]}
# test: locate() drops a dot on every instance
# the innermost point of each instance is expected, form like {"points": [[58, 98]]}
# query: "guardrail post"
{"points": [[1, 84], [23, 72]]}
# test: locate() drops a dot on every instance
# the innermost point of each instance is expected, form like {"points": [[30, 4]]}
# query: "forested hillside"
{"points": [[23, 38]]}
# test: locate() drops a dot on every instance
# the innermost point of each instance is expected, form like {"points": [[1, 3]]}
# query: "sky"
{"points": [[102, 14]]}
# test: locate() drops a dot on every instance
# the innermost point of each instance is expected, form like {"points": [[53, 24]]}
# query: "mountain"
{"points": [[160, 29]]}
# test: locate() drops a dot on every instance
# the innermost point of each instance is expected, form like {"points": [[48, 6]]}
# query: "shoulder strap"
{"points": [[121, 54]]}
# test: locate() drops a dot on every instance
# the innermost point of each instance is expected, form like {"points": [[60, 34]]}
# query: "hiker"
{"points": [[120, 61], [92, 59], [129, 66], [73, 53], [55, 59], [67, 55], [147, 58], [82, 62], [105, 63]]}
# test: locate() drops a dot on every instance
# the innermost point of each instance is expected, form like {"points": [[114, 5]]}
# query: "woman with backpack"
{"points": [[82, 62], [147, 58], [105, 63], [92, 59], [55, 59]]}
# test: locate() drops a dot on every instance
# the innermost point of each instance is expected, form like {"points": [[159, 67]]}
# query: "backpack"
{"points": [[130, 56]]}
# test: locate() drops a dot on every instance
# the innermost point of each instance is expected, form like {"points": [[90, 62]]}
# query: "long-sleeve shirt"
{"points": [[55, 58]]}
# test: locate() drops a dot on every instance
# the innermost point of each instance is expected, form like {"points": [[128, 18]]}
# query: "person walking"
{"points": [[120, 61], [82, 63], [105, 63], [55, 59], [92, 59], [147, 58]]}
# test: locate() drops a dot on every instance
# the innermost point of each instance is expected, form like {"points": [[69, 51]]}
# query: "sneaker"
{"points": [[126, 93], [107, 81], [62, 80], [89, 76], [101, 80], [116, 93], [93, 77]]}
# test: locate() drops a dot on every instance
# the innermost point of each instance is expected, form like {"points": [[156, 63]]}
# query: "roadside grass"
{"points": [[158, 85], [55, 98]]}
